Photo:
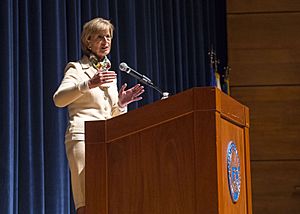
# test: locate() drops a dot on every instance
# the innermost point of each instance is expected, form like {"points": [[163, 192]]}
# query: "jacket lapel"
{"points": [[87, 68]]}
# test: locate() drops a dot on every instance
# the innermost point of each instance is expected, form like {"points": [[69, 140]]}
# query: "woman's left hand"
{"points": [[130, 95]]}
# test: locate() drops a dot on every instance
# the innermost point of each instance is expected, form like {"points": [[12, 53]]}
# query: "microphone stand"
{"points": [[142, 78], [165, 95]]}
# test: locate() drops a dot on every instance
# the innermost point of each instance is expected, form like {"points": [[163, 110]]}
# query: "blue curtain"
{"points": [[166, 40]]}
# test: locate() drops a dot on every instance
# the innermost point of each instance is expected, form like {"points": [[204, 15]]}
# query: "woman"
{"points": [[89, 90]]}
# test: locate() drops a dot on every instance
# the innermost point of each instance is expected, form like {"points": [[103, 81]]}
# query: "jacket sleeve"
{"points": [[71, 88], [117, 110]]}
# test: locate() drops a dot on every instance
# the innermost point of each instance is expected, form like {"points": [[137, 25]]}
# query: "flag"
{"points": [[212, 76], [218, 81], [213, 81], [225, 85]]}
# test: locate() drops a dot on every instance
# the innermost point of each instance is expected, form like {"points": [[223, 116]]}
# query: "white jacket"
{"points": [[85, 104]]}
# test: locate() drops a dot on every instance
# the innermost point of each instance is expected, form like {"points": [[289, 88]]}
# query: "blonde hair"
{"points": [[92, 27]]}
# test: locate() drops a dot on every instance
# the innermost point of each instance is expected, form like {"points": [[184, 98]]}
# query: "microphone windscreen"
{"points": [[123, 66]]}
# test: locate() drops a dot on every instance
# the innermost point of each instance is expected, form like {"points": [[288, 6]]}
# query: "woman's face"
{"points": [[100, 43]]}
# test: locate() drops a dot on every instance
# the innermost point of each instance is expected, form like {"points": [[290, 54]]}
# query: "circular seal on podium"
{"points": [[233, 171]]}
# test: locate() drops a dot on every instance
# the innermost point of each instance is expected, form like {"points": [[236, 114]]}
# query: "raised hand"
{"points": [[130, 95], [102, 77]]}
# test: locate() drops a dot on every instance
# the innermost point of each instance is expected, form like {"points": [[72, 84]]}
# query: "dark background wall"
{"points": [[264, 53]]}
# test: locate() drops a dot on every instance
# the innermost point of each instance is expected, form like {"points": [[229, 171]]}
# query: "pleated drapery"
{"points": [[167, 40]]}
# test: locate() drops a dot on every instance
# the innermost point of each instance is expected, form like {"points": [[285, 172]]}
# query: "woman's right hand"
{"points": [[102, 77]]}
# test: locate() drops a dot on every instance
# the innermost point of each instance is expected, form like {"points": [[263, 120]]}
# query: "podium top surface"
{"points": [[192, 100]]}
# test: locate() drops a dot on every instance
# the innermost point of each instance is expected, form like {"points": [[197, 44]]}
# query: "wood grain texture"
{"points": [[264, 66], [153, 172], [211, 145], [227, 133], [248, 170], [232, 110], [263, 52], [96, 178], [274, 116], [246, 6], [264, 31], [263, 49], [276, 187], [195, 99], [168, 163], [206, 163]]}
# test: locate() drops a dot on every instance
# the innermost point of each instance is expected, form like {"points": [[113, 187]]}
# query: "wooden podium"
{"points": [[171, 157]]}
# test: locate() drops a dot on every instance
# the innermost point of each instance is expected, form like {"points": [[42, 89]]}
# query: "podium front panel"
{"points": [[230, 133], [152, 171]]}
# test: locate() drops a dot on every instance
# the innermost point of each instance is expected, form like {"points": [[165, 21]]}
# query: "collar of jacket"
{"points": [[85, 63]]}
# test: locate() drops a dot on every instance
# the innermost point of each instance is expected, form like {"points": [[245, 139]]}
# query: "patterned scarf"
{"points": [[103, 65]]}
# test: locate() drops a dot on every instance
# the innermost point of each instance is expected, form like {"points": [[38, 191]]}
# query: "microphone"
{"points": [[124, 67], [142, 78]]}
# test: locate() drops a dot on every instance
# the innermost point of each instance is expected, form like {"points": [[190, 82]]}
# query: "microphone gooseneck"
{"points": [[142, 78]]}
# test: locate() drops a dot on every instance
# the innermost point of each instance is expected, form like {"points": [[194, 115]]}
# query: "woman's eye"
{"points": [[102, 38]]}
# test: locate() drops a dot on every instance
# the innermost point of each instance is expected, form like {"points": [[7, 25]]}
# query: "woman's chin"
{"points": [[103, 54]]}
